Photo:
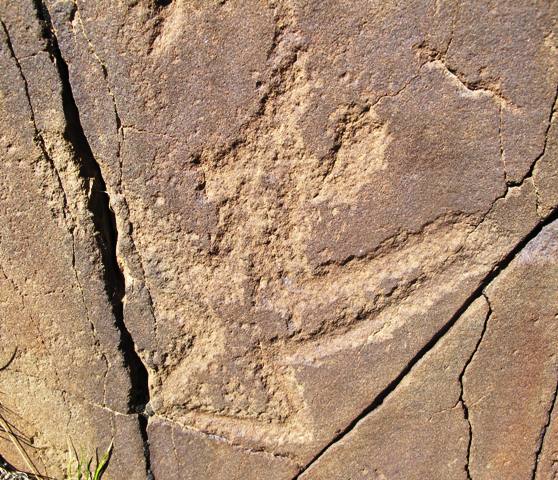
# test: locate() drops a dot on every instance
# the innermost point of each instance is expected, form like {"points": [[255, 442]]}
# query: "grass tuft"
{"points": [[79, 466], [82, 468]]}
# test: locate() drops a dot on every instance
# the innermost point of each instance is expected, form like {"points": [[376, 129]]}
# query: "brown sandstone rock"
{"points": [[480, 403], [511, 383], [275, 220], [68, 379], [419, 431]]}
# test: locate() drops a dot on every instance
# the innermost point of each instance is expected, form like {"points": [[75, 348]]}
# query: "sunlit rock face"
{"points": [[281, 239]]}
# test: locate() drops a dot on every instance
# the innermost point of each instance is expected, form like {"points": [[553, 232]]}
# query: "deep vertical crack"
{"points": [[128, 226], [42, 144], [477, 293], [544, 430], [462, 391], [143, 423], [105, 223], [553, 108]]}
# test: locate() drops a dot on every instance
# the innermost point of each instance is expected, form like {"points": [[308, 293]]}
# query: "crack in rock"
{"points": [[104, 220], [461, 400], [544, 430], [477, 293]]}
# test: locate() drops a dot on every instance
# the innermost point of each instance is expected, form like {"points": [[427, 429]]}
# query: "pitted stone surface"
{"points": [[278, 230]]}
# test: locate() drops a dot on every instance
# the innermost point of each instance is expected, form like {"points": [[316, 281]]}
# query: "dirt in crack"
{"points": [[103, 218]]}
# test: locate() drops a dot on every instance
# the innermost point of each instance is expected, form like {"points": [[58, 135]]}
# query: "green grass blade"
{"points": [[69, 468], [102, 465], [79, 470], [80, 466], [88, 469]]}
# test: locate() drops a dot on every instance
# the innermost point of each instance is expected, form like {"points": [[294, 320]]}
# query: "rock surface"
{"points": [[281, 239]]}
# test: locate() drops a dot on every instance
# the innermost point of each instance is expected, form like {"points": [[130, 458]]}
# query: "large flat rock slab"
{"points": [[282, 238]]}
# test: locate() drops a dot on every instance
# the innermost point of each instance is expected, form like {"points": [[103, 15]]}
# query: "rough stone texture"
{"points": [[518, 355], [547, 461], [479, 404], [281, 239], [68, 378], [420, 430]]}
